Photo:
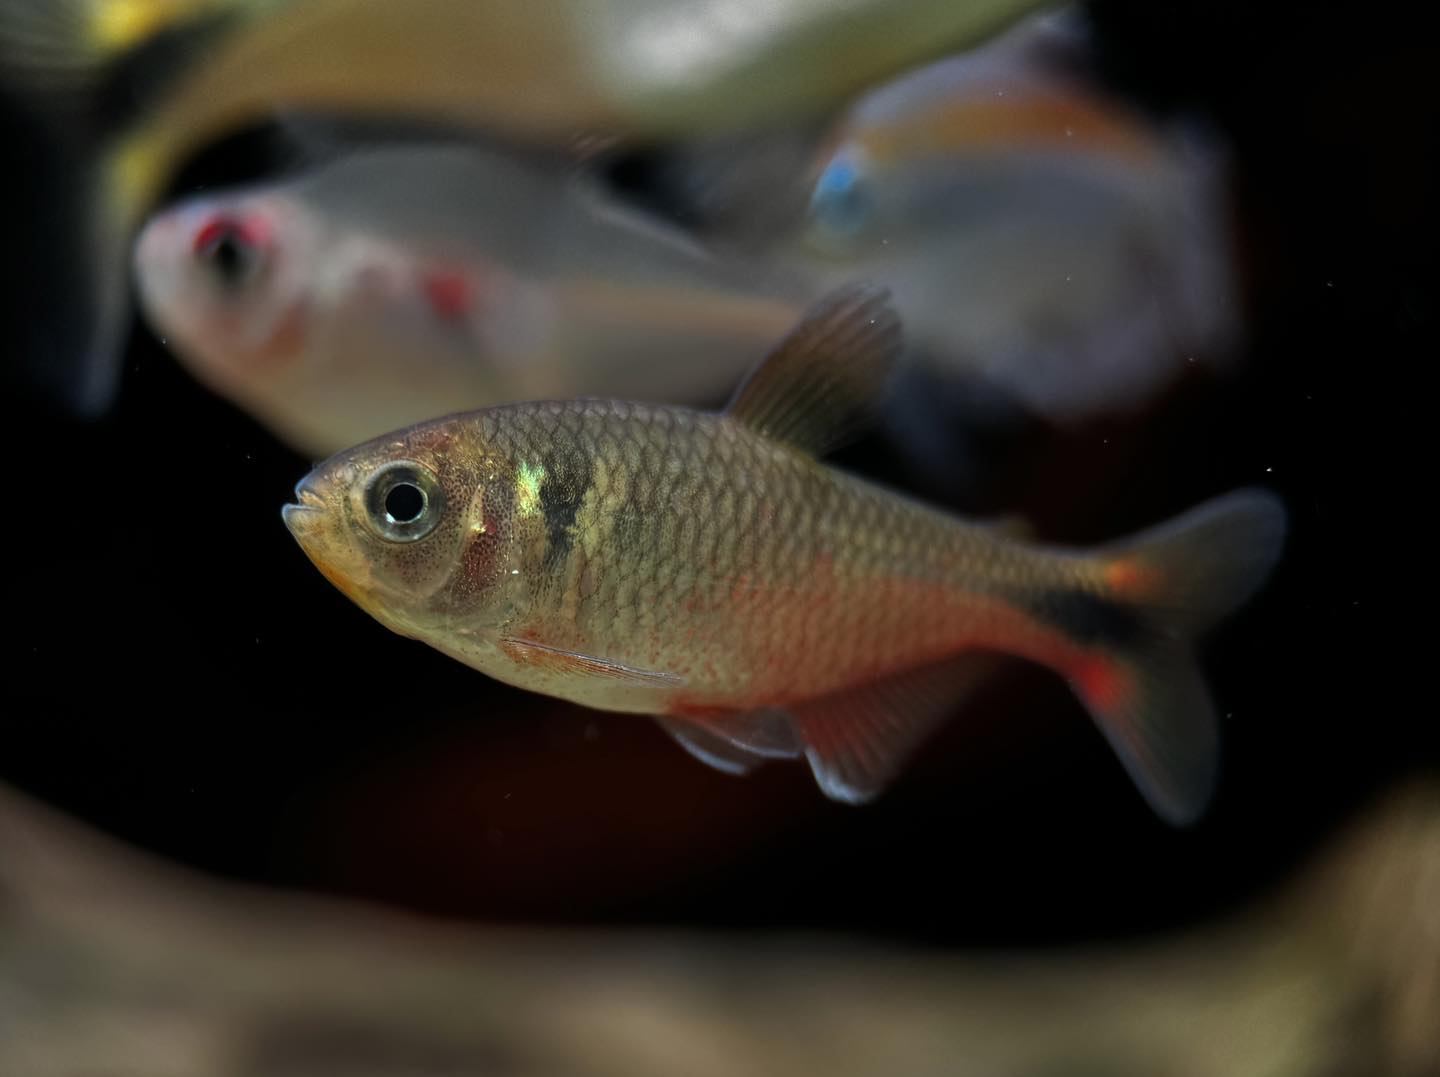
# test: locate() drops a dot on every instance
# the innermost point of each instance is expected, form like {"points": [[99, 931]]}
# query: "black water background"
{"points": [[177, 674]]}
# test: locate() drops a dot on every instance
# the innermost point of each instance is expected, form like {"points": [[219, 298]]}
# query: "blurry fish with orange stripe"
{"points": [[708, 569], [400, 282], [1037, 231]]}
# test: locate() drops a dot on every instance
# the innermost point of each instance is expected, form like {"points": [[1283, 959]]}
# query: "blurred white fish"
{"points": [[123, 91], [1034, 230], [400, 283]]}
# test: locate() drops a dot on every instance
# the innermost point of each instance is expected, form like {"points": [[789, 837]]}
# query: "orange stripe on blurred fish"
{"points": [[1009, 122]]}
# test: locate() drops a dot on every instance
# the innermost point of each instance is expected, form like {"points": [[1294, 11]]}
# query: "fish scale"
{"points": [[808, 576]]}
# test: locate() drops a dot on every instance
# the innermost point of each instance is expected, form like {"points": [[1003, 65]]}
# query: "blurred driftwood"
{"points": [[112, 965]]}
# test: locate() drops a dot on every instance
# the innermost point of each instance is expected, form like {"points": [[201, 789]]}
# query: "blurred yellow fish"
{"points": [[403, 282], [127, 89], [707, 569]]}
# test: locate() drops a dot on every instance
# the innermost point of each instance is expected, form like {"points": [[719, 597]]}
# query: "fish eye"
{"points": [[228, 251], [403, 502], [840, 207]]}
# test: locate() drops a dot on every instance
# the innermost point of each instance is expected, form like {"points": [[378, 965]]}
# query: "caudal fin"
{"points": [[1162, 589]]}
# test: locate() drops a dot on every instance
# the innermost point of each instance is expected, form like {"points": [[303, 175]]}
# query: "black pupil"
{"points": [[228, 254], [405, 503]]}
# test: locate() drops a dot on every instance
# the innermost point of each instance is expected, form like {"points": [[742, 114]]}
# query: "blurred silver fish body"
{"points": [[398, 283], [1035, 231], [125, 90]]}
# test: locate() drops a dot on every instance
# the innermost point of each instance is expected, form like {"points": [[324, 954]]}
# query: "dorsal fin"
{"points": [[824, 380]]}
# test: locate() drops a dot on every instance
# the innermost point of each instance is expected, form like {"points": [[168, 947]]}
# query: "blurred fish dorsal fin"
{"points": [[735, 190], [825, 379], [604, 205]]}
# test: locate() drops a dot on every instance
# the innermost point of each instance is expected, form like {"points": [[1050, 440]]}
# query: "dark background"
{"points": [[178, 673]]}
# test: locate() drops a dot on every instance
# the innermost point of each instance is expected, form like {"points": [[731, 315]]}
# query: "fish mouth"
{"points": [[308, 508]]}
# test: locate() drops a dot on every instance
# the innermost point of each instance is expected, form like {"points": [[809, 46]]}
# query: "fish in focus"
{"points": [[1038, 234], [399, 283], [707, 569], [123, 91]]}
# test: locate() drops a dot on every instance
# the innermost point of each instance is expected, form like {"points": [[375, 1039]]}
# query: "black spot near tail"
{"points": [[1088, 619]]}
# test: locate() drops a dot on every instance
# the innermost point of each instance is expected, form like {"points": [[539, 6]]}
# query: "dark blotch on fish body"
{"points": [[569, 473], [1090, 620]]}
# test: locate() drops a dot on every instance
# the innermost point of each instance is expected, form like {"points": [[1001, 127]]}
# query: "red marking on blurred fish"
{"points": [[251, 230], [450, 293]]}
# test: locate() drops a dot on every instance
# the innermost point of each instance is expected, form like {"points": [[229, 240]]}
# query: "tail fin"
{"points": [[1167, 586]]}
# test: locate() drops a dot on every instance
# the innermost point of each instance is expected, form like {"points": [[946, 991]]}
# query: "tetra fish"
{"points": [[709, 570]]}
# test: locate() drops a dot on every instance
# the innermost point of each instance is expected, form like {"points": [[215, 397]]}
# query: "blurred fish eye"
{"points": [[840, 207], [403, 502], [228, 250]]}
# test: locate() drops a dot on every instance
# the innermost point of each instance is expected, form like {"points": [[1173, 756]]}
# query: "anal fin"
{"points": [[858, 740]]}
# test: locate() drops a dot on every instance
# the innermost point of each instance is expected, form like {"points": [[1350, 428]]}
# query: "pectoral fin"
{"points": [[710, 747], [529, 653]]}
